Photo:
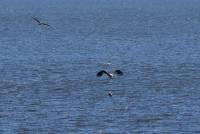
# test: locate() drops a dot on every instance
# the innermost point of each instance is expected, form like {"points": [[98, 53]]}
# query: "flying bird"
{"points": [[110, 75], [40, 23]]}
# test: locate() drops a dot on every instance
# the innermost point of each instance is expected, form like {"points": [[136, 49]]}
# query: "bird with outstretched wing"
{"points": [[39, 22]]}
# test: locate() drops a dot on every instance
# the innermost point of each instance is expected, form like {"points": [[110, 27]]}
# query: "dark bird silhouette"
{"points": [[110, 75], [40, 23]]}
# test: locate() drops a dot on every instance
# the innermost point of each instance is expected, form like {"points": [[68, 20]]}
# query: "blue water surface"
{"points": [[48, 82]]}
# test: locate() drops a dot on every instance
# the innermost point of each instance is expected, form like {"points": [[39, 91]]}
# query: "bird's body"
{"points": [[44, 24], [110, 75], [40, 23]]}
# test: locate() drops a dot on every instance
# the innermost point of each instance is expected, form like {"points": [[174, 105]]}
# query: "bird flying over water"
{"points": [[39, 22], [110, 75]]}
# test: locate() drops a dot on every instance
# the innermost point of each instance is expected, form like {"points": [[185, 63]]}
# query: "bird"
{"points": [[110, 93], [40, 23], [110, 75]]}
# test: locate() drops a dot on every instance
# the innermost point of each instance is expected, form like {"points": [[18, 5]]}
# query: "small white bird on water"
{"points": [[110, 93]]}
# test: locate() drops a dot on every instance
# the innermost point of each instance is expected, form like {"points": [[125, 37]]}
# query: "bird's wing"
{"points": [[36, 19], [100, 73], [45, 24], [119, 72]]}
